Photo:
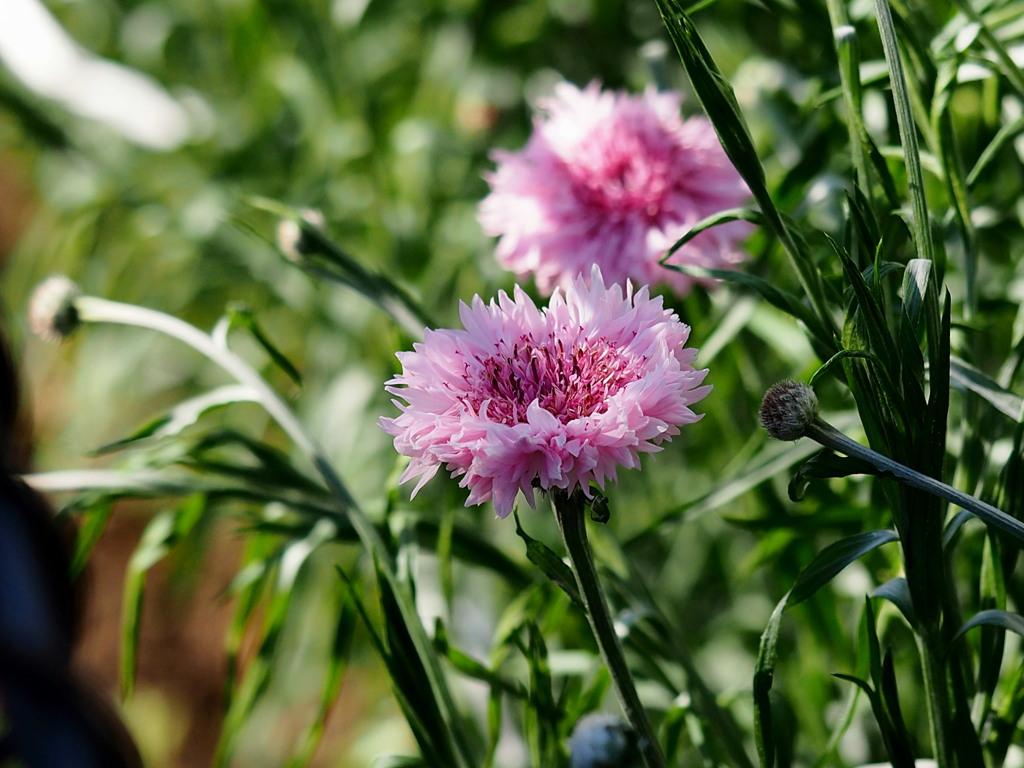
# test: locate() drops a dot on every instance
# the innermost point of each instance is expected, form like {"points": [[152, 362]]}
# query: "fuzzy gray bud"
{"points": [[52, 314], [788, 409]]}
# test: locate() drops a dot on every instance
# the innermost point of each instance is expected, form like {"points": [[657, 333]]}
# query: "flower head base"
{"points": [[554, 397], [613, 180], [52, 314]]}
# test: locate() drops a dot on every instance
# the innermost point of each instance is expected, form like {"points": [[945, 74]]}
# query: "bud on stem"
{"points": [[789, 411]]}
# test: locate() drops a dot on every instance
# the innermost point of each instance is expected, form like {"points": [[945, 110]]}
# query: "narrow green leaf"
{"points": [[415, 689], [992, 596], [247, 587], [473, 668], [897, 592], [722, 217], [908, 131], [241, 316], [774, 458], [1010, 69], [541, 716], [778, 298], [898, 738], [550, 564], [1005, 137], [870, 312], [1013, 622], [825, 464], [344, 629], [966, 376], [764, 675], [183, 415], [833, 559], [153, 547], [717, 98], [94, 522], [258, 676]]}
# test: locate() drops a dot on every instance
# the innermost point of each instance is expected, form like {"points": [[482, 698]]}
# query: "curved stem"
{"points": [[824, 433], [97, 310], [571, 518]]}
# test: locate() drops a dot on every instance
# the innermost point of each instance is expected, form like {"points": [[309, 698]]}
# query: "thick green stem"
{"points": [[571, 516], [937, 693]]}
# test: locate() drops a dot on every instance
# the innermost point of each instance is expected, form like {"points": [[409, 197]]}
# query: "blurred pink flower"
{"points": [[554, 397], [613, 180]]}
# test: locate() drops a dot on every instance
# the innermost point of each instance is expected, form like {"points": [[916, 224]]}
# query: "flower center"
{"points": [[568, 383], [617, 172]]}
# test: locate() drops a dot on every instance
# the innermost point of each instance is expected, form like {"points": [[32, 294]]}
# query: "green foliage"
{"points": [[882, 146]]}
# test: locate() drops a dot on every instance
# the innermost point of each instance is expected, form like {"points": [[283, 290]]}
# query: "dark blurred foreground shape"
{"points": [[49, 718]]}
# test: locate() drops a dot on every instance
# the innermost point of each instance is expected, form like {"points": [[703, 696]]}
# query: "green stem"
{"points": [[571, 517], [824, 433], [937, 693]]}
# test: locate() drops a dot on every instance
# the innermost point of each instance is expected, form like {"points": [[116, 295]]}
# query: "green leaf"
{"points": [[153, 546], [241, 316], [474, 669], [541, 716], [344, 628], [774, 458], [908, 131], [897, 592], [94, 522], [414, 687], [869, 312], [717, 98], [825, 464], [882, 695], [833, 559], [290, 563], [966, 376], [1003, 138], [183, 415], [1007, 66], [898, 737], [778, 298], [1013, 622], [722, 217], [764, 675], [550, 564]]}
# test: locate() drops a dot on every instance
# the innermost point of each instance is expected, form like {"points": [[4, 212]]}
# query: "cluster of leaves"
{"points": [[879, 145]]}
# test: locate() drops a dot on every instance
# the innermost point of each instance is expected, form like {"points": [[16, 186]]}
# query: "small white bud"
{"points": [[52, 314], [290, 237]]}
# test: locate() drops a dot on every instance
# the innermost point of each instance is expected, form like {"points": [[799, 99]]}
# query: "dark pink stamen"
{"points": [[567, 383]]}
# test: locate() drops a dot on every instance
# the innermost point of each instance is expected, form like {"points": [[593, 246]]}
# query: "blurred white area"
{"points": [[47, 60]]}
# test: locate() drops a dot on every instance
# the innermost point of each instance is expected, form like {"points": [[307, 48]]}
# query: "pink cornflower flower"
{"points": [[613, 180], [552, 397]]}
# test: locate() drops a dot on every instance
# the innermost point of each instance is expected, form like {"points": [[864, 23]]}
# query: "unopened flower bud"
{"points": [[290, 236], [52, 314], [601, 741], [788, 409]]}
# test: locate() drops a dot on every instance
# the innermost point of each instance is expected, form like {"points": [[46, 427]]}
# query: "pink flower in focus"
{"points": [[553, 397], [613, 180]]}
